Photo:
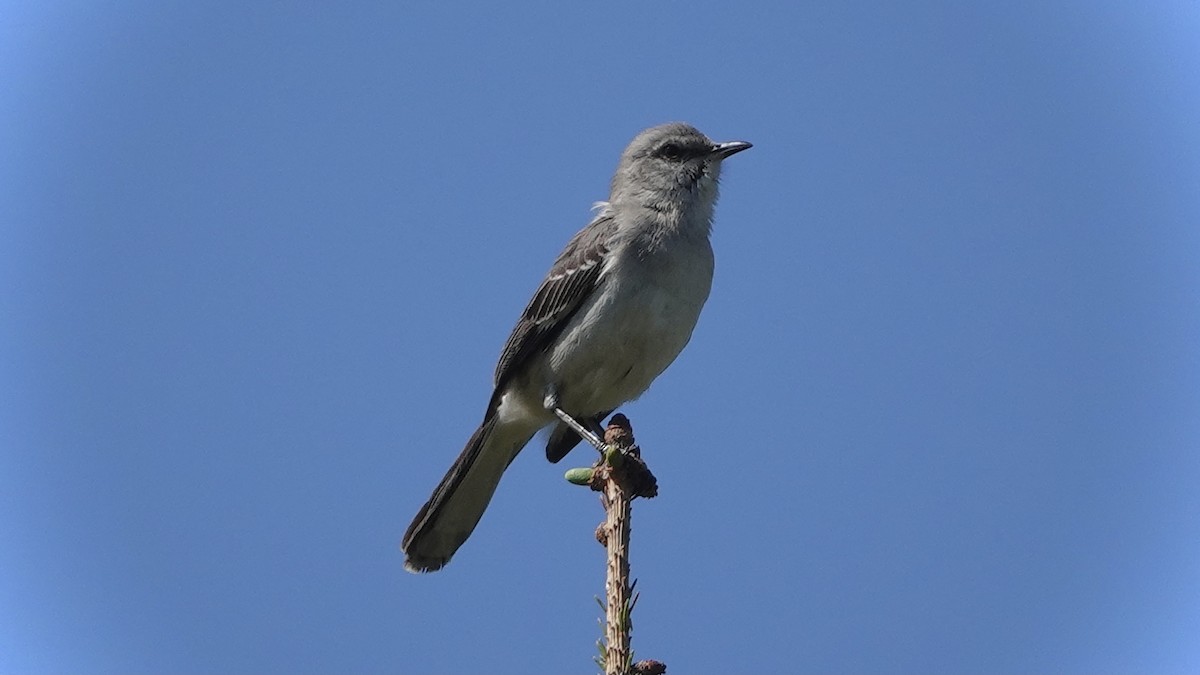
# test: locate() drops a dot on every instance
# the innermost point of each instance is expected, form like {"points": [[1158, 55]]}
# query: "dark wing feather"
{"points": [[571, 280]]}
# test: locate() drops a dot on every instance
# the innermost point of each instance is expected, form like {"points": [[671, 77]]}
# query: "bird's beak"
{"points": [[723, 150]]}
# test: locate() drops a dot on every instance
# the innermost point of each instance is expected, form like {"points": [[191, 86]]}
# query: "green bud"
{"points": [[581, 475], [613, 456]]}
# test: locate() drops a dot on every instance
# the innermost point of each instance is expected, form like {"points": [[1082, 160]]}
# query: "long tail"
{"points": [[450, 515]]}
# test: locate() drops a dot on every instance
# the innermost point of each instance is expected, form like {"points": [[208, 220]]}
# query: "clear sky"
{"points": [[941, 413]]}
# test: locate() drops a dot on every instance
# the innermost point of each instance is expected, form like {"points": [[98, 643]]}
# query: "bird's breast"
{"points": [[633, 328]]}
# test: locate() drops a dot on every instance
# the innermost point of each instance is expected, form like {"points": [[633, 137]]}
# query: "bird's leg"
{"points": [[551, 403], [584, 433]]}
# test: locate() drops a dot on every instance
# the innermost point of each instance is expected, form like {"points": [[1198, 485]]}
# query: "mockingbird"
{"points": [[615, 310]]}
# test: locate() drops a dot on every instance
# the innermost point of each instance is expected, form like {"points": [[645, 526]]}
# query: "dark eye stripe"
{"points": [[670, 150]]}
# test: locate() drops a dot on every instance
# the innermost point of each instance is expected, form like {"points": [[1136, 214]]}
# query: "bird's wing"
{"points": [[571, 280]]}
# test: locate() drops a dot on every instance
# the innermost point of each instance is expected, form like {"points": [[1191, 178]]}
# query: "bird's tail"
{"points": [[450, 515]]}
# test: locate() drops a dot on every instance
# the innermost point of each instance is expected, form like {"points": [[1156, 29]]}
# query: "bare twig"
{"points": [[620, 477]]}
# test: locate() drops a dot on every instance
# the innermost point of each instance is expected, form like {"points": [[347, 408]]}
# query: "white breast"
{"points": [[630, 331]]}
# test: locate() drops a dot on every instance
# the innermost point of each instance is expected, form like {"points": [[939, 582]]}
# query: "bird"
{"points": [[616, 308]]}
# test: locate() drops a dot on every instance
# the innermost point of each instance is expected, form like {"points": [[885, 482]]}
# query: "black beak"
{"points": [[723, 150]]}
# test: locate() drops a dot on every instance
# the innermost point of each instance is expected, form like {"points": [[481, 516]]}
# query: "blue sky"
{"points": [[940, 413]]}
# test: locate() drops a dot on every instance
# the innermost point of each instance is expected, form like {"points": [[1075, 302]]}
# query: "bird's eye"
{"points": [[671, 151]]}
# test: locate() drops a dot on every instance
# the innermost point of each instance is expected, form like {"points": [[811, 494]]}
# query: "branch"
{"points": [[620, 476]]}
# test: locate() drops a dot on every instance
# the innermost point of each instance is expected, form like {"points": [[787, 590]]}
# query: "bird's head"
{"points": [[671, 168]]}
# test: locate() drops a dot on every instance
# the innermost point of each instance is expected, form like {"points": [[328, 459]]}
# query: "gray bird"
{"points": [[615, 310]]}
